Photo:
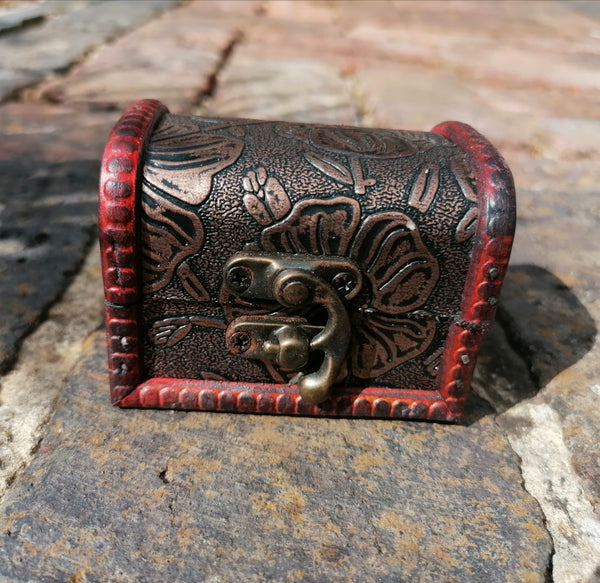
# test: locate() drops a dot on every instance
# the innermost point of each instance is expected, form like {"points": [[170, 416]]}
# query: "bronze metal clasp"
{"points": [[294, 281]]}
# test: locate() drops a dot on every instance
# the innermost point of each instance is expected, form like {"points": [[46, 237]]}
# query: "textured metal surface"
{"points": [[427, 217]]}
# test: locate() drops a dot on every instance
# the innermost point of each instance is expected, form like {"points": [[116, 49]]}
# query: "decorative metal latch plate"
{"points": [[296, 282]]}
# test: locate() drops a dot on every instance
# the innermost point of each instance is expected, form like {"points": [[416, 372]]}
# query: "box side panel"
{"points": [[495, 225], [119, 181]]}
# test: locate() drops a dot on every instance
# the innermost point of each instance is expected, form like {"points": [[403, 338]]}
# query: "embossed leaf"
{"points": [[179, 334], [297, 131], [409, 288], [381, 343], [330, 168], [182, 161], [467, 226], [361, 142], [425, 187], [257, 209], [170, 331], [400, 268], [276, 197], [318, 227], [267, 200], [261, 176], [170, 235], [192, 285], [464, 181]]}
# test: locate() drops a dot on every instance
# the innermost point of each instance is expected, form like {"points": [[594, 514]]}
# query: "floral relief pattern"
{"points": [[354, 144], [327, 194], [391, 327], [467, 226], [180, 165], [171, 234], [352, 141]]}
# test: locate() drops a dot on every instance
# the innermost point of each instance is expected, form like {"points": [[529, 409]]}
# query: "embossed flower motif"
{"points": [[181, 163], [353, 144], [361, 142], [400, 273]]}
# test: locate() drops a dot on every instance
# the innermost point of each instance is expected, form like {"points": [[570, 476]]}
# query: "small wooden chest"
{"points": [[271, 267]]}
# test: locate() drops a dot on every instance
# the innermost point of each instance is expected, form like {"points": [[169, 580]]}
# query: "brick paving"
{"points": [[112, 495]]}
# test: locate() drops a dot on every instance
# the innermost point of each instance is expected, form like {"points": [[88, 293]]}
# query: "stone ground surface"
{"points": [[93, 493]]}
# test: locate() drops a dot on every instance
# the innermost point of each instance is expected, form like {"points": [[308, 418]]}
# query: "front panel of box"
{"points": [[399, 204]]}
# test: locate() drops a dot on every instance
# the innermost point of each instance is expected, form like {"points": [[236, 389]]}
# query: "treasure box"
{"points": [[299, 269]]}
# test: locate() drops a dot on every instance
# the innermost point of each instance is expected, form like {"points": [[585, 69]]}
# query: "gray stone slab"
{"points": [[546, 321], [550, 310], [11, 81], [132, 495], [588, 7], [172, 58], [47, 221], [49, 167], [19, 15], [301, 89], [63, 38], [551, 305]]}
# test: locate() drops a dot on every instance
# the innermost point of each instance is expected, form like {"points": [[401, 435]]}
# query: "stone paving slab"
{"points": [[453, 36], [47, 225], [129, 495], [524, 120], [172, 58], [11, 81], [65, 35], [17, 16], [551, 310], [49, 166], [293, 90], [31, 388], [547, 399], [52, 133]]}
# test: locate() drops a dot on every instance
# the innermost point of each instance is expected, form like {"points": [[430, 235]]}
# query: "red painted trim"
{"points": [[167, 393], [119, 179], [491, 252]]}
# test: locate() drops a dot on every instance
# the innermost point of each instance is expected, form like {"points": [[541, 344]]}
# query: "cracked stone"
{"points": [[536, 433], [148, 64], [242, 496], [45, 358], [49, 166], [64, 37], [550, 311], [48, 219], [299, 90], [15, 17], [418, 98], [11, 81]]}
